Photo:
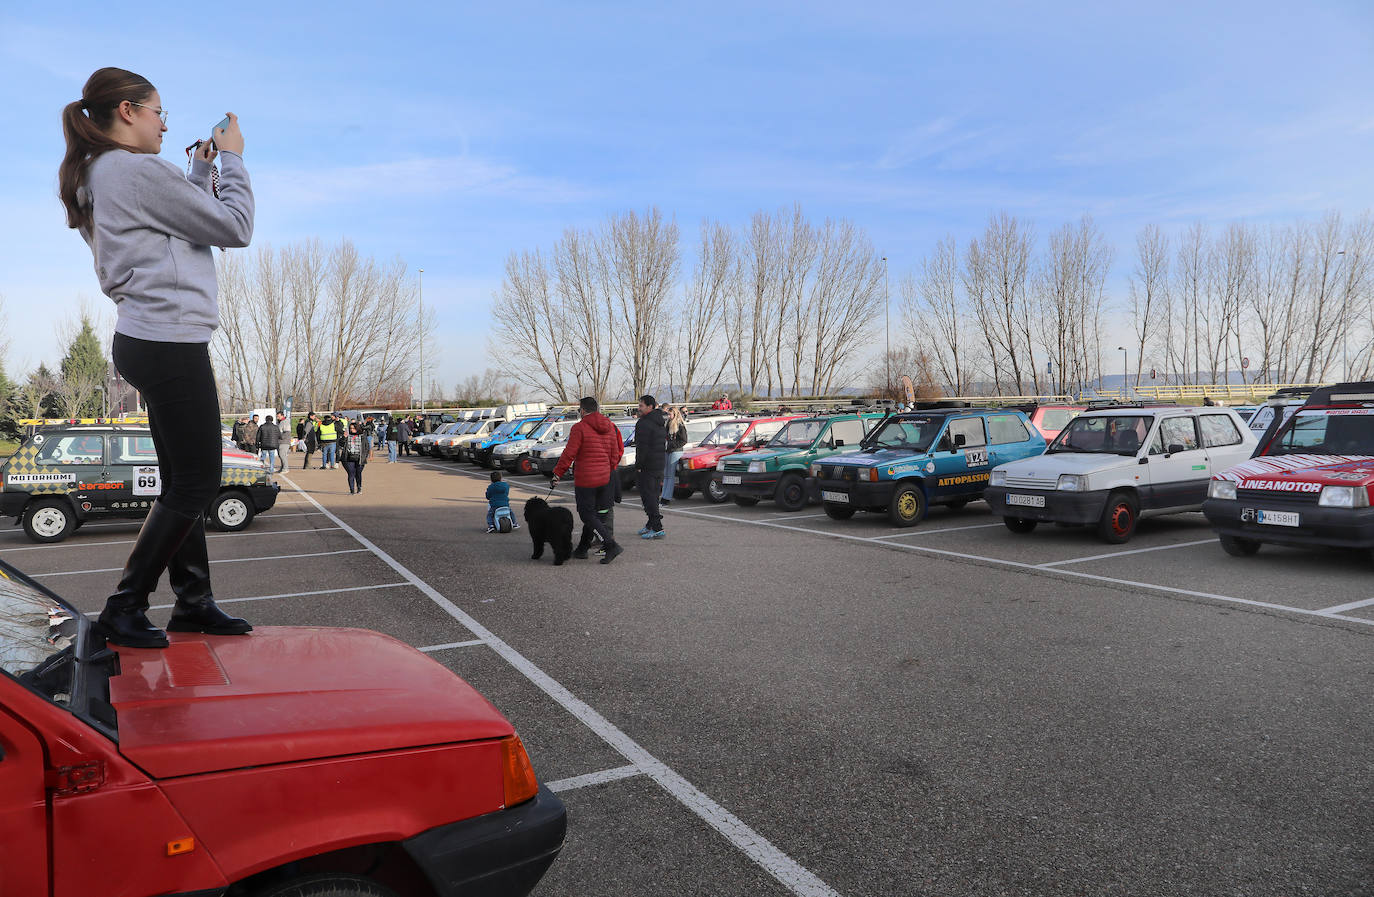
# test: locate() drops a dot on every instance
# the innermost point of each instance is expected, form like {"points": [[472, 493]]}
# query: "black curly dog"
{"points": [[552, 525]]}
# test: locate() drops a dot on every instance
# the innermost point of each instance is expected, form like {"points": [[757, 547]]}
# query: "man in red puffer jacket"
{"points": [[595, 446]]}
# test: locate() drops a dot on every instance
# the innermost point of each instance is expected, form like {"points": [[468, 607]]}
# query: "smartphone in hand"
{"points": [[219, 126]]}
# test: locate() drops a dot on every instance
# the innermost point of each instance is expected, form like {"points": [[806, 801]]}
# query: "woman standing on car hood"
{"points": [[150, 229]]}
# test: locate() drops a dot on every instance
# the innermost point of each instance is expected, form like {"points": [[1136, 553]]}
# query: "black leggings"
{"points": [[178, 389]]}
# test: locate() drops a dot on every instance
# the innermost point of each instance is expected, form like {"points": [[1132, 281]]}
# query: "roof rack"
{"points": [[1355, 392]]}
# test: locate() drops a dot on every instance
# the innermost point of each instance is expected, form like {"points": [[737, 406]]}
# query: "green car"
{"points": [[779, 470]]}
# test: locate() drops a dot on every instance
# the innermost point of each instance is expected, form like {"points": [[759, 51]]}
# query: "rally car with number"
{"points": [[289, 762], [482, 451], [914, 460], [729, 437], [450, 447], [64, 475], [1113, 466], [1309, 485], [517, 455], [779, 470]]}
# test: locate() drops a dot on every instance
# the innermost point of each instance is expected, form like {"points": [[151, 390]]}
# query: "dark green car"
{"points": [[778, 471]]}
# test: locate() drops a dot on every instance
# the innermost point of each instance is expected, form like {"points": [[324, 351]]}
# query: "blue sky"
{"points": [[451, 134]]}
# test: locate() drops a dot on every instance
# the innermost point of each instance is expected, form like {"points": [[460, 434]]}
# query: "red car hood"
{"points": [[284, 694], [1301, 473]]}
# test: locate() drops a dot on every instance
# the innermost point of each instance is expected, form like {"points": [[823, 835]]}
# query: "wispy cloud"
{"points": [[415, 177]]}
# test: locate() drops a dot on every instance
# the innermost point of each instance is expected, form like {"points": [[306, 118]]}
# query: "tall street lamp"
{"points": [[1125, 371], [422, 344], [887, 319]]}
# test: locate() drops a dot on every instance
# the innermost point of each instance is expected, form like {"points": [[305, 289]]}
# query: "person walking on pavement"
{"points": [[595, 446], [357, 448], [330, 431], [403, 435], [150, 230], [268, 441], [677, 440], [391, 437], [284, 434], [237, 433], [309, 433], [651, 448]]}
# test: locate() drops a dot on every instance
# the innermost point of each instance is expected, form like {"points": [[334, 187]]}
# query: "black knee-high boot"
{"points": [[124, 619], [189, 575]]}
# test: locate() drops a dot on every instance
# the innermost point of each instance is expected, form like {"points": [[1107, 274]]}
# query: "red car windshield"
{"points": [[726, 434], [36, 635], [1328, 431]]}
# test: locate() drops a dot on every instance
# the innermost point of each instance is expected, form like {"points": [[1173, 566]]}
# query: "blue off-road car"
{"points": [[914, 460]]}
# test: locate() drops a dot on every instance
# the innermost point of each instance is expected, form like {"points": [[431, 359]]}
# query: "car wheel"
{"points": [[680, 492], [1020, 524], [745, 501], [1237, 547], [715, 493], [232, 511], [1118, 519], [327, 885], [791, 494], [908, 506], [49, 520], [527, 466], [838, 512]]}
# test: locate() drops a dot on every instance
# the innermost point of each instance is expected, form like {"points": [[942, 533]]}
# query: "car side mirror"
{"points": [[839, 443], [959, 440], [1175, 447]]}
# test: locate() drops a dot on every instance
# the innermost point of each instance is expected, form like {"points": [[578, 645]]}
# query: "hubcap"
{"points": [[49, 522], [232, 512], [906, 505], [1121, 520], [716, 491]]}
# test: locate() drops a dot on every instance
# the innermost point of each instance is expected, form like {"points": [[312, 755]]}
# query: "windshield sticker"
{"points": [[975, 457], [147, 481], [1334, 412], [963, 479], [29, 479]]}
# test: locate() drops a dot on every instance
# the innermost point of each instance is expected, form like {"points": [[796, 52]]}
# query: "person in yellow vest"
{"points": [[329, 444]]}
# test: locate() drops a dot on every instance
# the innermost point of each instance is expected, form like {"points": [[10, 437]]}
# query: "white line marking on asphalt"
{"points": [[595, 778], [280, 532], [948, 529], [1018, 565], [271, 516], [385, 585], [1342, 608], [275, 557], [789, 872], [793, 516], [430, 649], [1117, 554]]}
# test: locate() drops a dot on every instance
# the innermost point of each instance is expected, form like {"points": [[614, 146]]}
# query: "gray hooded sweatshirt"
{"points": [[153, 229]]}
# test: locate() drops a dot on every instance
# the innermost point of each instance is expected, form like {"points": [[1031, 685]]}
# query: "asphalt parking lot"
{"points": [[770, 703]]}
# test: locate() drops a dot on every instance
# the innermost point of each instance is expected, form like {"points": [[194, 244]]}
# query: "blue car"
{"points": [[914, 460], [518, 428]]}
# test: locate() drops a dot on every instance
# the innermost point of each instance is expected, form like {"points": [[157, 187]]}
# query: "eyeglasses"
{"points": [[160, 113]]}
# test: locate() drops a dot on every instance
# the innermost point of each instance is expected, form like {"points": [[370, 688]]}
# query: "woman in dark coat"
{"points": [[309, 433], [356, 448]]}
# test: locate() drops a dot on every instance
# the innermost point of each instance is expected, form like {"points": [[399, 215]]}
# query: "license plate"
{"points": [[1277, 518], [840, 497], [730, 481], [1026, 501]]}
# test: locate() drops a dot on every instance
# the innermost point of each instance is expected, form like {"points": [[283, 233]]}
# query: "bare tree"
{"points": [[642, 261], [936, 315], [583, 291], [530, 328], [1149, 284], [698, 350], [844, 300]]}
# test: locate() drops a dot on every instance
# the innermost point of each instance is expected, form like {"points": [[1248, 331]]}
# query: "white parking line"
{"points": [[1117, 554], [280, 532], [921, 531], [1018, 565], [430, 649], [275, 557], [791, 874], [794, 516], [293, 514], [1342, 608], [594, 778], [385, 585]]}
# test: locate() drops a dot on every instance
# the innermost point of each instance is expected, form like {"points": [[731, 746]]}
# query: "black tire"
{"points": [[1119, 518], [232, 511], [681, 492], [715, 493], [745, 501], [526, 467], [326, 885], [791, 493], [837, 512], [908, 505], [1237, 547], [1020, 524], [49, 519]]}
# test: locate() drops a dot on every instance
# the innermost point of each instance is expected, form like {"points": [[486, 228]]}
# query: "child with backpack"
{"points": [[498, 496]]}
